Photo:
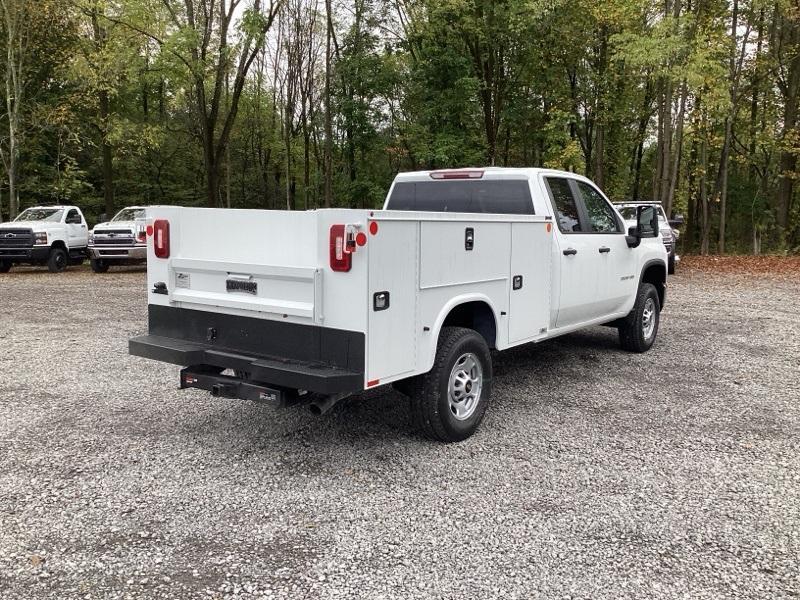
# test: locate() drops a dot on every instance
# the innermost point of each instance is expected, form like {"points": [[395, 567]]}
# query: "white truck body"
{"points": [[234, 275]]}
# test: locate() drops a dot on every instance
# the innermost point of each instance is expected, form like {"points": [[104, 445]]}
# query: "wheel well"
{"points": [[59, 244], [475, 315], [656, 273]]}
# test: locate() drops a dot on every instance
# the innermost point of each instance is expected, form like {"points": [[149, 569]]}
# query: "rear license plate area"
{"points": [[245, 286]]}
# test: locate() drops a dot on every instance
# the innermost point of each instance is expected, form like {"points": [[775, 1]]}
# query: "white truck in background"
{"points": [[289, 307], [120, 241], [55, 236]]}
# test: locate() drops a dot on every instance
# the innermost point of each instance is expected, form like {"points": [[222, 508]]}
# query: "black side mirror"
{"points": [[677, 221], [646, 225], [647, 221]]}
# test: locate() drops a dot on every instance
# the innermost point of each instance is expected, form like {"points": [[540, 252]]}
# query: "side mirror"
{"points": [[677, 221], [647, 221], [646, 226]]}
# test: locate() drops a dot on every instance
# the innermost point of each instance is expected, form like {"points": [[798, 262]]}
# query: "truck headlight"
{"points": [[91, 237], [40, 238]]}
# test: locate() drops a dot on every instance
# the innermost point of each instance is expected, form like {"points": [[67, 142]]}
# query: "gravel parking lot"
{"points": [[596, 474]]}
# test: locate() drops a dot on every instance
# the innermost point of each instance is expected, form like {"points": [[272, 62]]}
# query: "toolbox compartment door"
{"points": [[529, 304], [393, 259]]}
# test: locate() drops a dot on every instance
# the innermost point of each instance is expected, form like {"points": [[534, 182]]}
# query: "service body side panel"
{"points": [[529, 305], [393, 262]]}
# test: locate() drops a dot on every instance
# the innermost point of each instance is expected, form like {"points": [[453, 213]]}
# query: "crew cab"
{"points": [[289, 307], [120, 241], [55, 236]]}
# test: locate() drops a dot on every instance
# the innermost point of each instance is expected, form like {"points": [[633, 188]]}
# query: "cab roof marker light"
{"points": [[457, 174]]}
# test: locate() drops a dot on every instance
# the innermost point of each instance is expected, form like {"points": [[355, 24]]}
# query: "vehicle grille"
{"points": [[669, 244], [114, 237], [16, 238]]}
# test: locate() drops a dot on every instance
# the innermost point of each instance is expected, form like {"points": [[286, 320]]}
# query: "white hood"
{"points": [[35, 225], [116, 225]]}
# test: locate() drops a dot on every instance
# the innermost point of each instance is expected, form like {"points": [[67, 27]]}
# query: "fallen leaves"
{"points": [[768, 266]]}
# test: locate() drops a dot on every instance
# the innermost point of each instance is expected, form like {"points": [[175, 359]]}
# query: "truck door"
{"points": [[577, 254], [616, 278], [77, 232]]}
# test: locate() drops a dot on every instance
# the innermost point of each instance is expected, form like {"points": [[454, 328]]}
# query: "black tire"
{"points": [[99, 265], [632, 328], [431, 408], [57, 261], [5, 266], [671, 265]]}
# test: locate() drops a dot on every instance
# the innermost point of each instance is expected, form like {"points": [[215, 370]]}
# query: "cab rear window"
{"points": [[499, 196]]}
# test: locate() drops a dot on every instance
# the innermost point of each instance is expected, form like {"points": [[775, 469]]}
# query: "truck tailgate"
{"points": [[242, 260]]}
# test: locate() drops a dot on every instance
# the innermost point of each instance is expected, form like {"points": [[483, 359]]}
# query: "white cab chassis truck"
{"points": [[120, 241], [309, 307], [55, 236]]}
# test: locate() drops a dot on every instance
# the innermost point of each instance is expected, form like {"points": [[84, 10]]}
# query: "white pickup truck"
{"points": [[55, 236], [120, 241], [287, 307]]}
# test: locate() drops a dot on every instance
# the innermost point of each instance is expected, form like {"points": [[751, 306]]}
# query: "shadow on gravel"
{"points": [[376, 418]]}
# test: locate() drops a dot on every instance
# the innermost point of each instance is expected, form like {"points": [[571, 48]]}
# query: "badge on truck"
{"points": [[241, 284]]}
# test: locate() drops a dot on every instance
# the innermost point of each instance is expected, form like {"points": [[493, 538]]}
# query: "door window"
{"points": [[600, 215], [73, 218], [564, 203]]}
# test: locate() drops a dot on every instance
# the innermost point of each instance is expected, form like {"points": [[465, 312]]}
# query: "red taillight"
{"points": [[341, 259], [457, 174], [161, 238]]}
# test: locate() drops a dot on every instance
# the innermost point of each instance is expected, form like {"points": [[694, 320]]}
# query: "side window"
{"points": [[564, 203], [600, 214], [73, 217]]}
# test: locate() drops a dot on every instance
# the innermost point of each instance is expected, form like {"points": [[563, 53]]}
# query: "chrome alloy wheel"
{"points": [[464, 387], [649, 317]]}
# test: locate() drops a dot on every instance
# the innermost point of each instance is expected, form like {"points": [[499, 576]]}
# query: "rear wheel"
{"points": [[57, 261], [637, 331], [99, 265], [449, 402], [5, 266]]}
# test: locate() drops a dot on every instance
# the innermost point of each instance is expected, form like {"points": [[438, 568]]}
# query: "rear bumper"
{"points": [[30, 254], [118, 253], [287, 355]]}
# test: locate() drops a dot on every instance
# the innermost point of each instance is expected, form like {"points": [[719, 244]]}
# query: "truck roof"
{"points": [[485, 173], [58, 206]]}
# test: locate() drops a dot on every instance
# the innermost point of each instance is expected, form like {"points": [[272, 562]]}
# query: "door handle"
{"points": [[604, 250], [570, 252]]}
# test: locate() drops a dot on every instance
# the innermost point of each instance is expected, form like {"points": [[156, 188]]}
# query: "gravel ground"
{"points": [[596, 474]]}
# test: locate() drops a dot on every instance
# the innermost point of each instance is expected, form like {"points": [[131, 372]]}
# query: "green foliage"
{"points": [[422, 84]]}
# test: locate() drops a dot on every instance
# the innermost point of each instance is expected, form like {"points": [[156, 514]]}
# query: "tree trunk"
{"points": [[108, 166], [678, 150], [328, 159]]}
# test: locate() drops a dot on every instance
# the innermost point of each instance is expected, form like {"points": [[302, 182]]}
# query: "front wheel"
{"points": [[638, 330], [99, 265], [57, 261], [448, 403], [5, 266]]}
